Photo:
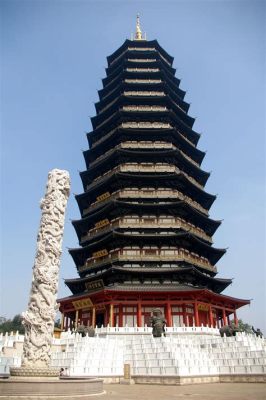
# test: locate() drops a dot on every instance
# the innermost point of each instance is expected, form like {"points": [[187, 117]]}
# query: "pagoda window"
{"points": [[177, 320], [143, 93], [141, 49], [146, 125], [144, 108], [142, 69], [150, 252], [129, 320], [140, 60], [165, 220], [148, 219], [129, 316], [177, 309], [127, 220], [146, 81]]}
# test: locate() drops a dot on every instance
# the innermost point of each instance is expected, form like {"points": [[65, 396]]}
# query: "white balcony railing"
{"points": [[164, 195]]}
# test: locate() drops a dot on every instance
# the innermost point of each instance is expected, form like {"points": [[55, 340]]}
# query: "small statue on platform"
{"points": [[229, 330], [158, 323], [257, 332]]}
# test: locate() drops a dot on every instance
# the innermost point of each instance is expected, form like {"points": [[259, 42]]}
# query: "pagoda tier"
{"points": [[132, 45], [132, 78], [173, 181], [145, 235], [151, 106], [131, 305], [119, 156], [120, 118], [185, 246], [141, 138], [175, 277], [139, 78], [130, 65], [109, 215]]}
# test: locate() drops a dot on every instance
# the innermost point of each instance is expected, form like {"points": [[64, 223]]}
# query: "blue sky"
{"points": [[53, 59]]}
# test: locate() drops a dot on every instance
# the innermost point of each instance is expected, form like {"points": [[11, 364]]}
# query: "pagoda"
{"points": [[145, 233]]}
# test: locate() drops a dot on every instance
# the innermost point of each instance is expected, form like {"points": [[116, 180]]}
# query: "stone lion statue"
{"points": [[158, 323]]}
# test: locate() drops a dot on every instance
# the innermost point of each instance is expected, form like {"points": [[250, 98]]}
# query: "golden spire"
{"points": [[138, 34]]}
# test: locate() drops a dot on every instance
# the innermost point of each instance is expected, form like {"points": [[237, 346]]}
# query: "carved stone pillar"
{"points": [[39, 317]]}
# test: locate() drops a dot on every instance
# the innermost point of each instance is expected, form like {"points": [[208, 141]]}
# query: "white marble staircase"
{"points": [[183, 355], [193, 354]]}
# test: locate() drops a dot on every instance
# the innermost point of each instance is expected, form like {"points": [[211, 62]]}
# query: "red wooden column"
{"points": [[111, 315], [120, 318], [224, 317], [211, 317], [168, 314], [139, 313], [217, 319], [76, 319], [106, 316], [62, 321], [184, 314], [196, 314], [235, 319], [93, 317]]}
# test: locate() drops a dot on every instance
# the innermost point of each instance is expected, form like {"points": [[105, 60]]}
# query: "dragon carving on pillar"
{"points": [[40, 315]]}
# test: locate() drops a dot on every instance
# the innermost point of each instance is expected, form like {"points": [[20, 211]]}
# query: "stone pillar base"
{"points": [[36, 388], [32, 372]]}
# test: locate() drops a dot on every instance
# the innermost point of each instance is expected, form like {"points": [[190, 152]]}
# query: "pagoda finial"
{"points": [[138, 34]]}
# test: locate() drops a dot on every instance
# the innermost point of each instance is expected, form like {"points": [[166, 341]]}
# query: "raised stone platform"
{"points": [[187, 355]]}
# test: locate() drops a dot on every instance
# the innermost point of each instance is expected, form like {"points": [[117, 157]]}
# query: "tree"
{"points": [[57, 323], [8, 325], [244, 327], [12, 325]]}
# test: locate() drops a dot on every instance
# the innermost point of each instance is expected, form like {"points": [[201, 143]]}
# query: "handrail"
{"points": [[178, 254], [152, 193], [157, 223], [144, 167]]}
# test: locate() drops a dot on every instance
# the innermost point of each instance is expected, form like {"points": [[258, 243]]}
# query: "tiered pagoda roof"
{"points": [[144, 209]]}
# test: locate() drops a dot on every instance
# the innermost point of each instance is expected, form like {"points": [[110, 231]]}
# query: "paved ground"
{"points": [[212, 391]]}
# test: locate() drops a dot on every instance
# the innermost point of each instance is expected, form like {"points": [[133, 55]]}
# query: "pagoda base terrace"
{"points": [[133, 309]]}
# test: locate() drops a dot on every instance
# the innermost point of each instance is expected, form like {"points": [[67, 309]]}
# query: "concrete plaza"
{"points": [[212, 391]]}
